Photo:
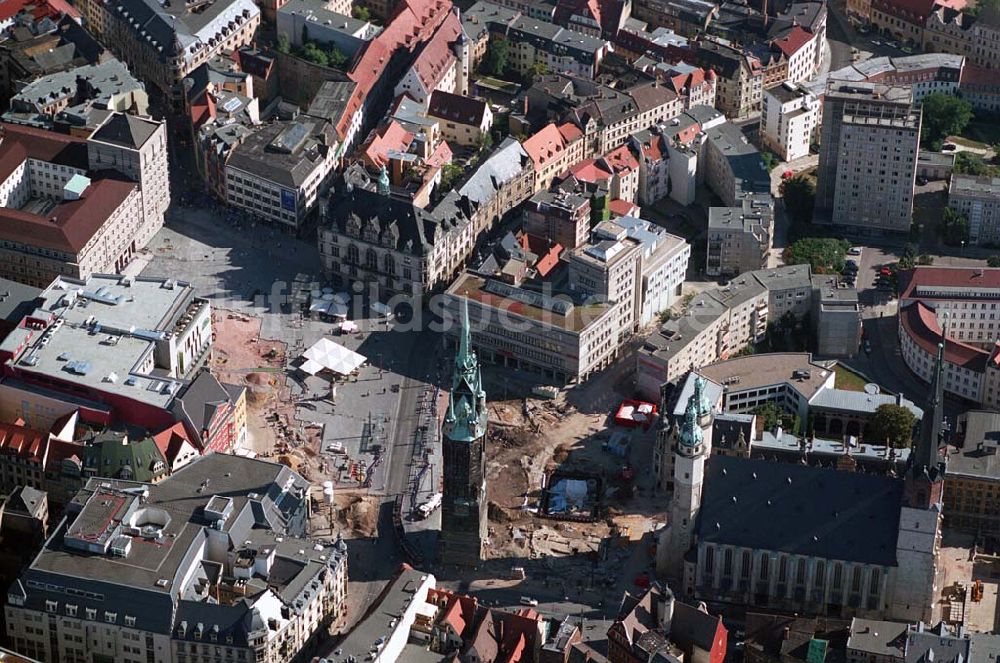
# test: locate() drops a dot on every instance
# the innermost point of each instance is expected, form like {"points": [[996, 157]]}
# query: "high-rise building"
{"points": [[463, 508], [868, 157]]}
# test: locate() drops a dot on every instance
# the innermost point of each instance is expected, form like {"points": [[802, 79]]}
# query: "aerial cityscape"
{"points": [[500, 331]]}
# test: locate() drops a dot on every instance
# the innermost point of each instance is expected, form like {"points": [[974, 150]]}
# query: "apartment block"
{"points": [[868, 157], [209, 564], [731, 166], [739, 238], [789, 118], [978, 200], [562, 216]]}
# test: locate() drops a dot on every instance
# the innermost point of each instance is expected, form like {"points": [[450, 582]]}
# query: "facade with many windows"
{"points": [[133, 575]]}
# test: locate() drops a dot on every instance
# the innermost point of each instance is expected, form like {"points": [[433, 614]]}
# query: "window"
{"points": [[371, 260]]}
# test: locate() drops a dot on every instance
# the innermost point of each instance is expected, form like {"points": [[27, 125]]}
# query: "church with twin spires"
{"points": [[794, 537]]}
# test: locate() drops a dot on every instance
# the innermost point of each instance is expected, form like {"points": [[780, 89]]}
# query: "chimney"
{"points": [[525, 109], [785, 632]]}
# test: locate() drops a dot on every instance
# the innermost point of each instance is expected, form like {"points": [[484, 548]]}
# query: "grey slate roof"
{"points": [[800, 510], [16, 299], [859, 401], [690, 627], [126, 131], [936, 645], [503, 165], [876, 637], [726, 429], [27, 501], [976, 450]]}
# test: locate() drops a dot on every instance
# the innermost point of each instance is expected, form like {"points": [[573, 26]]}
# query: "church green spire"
{"points": [[383, 181]]}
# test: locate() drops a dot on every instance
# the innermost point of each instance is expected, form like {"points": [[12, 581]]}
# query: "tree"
{"points": [[770, 414], [485, 141], [770, 161], [449, 174], [954, 227], [993, 261], [361, 13], [969, 163], [283, 44], [799, 194], [892, 424], [824, 254], [943, 115], [313, 54], [336, 57], [535, 71], [497, 56]]}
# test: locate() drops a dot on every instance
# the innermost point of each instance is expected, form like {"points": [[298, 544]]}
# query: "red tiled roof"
{"points": [[72, 223], [548, 252], [60, 450], [441, 155], [621, 159], [950, 277], [18, 143], [654, 149], [981, 76], [590, 171], [19, 440], [914, 11], [170, 441], [570, 132], [437, 57], [38, 8], [413, 24], [547, 144], [792, 42], [619, 207], [387, 138], [683, 83], [920, 324]]}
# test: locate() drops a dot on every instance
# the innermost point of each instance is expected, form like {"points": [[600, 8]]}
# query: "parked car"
{"points": [[921, 181], [854, 251]]}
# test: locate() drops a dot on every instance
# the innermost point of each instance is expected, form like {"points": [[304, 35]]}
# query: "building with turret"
{"points": [[463, 507], [803, 538]]}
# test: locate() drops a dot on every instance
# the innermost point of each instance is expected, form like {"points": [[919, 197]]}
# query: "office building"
{"points": [[731, 166], [121, 347], [868, 158]]}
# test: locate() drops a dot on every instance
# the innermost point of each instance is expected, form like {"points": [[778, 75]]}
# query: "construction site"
{"points": [[564, 497]]}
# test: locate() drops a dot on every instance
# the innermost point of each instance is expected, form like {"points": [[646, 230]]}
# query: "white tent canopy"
{"points": [[325, 354]]}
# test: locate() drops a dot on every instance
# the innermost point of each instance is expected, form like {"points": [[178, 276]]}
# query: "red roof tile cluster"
{"points": [[914, 11], [621, 160], [171, 440], [794, 41], [590, 171], [413, 24], [980, 76], [619, 207], [457, 610], [682, 84], [548, 252]]}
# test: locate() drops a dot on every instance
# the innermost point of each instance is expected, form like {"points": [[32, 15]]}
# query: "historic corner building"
{"points": [[463, 508], [801, 538]]}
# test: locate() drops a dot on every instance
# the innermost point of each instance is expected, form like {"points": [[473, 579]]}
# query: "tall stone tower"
{"points": [[463, 508], [692, 449], [919, 538]]}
